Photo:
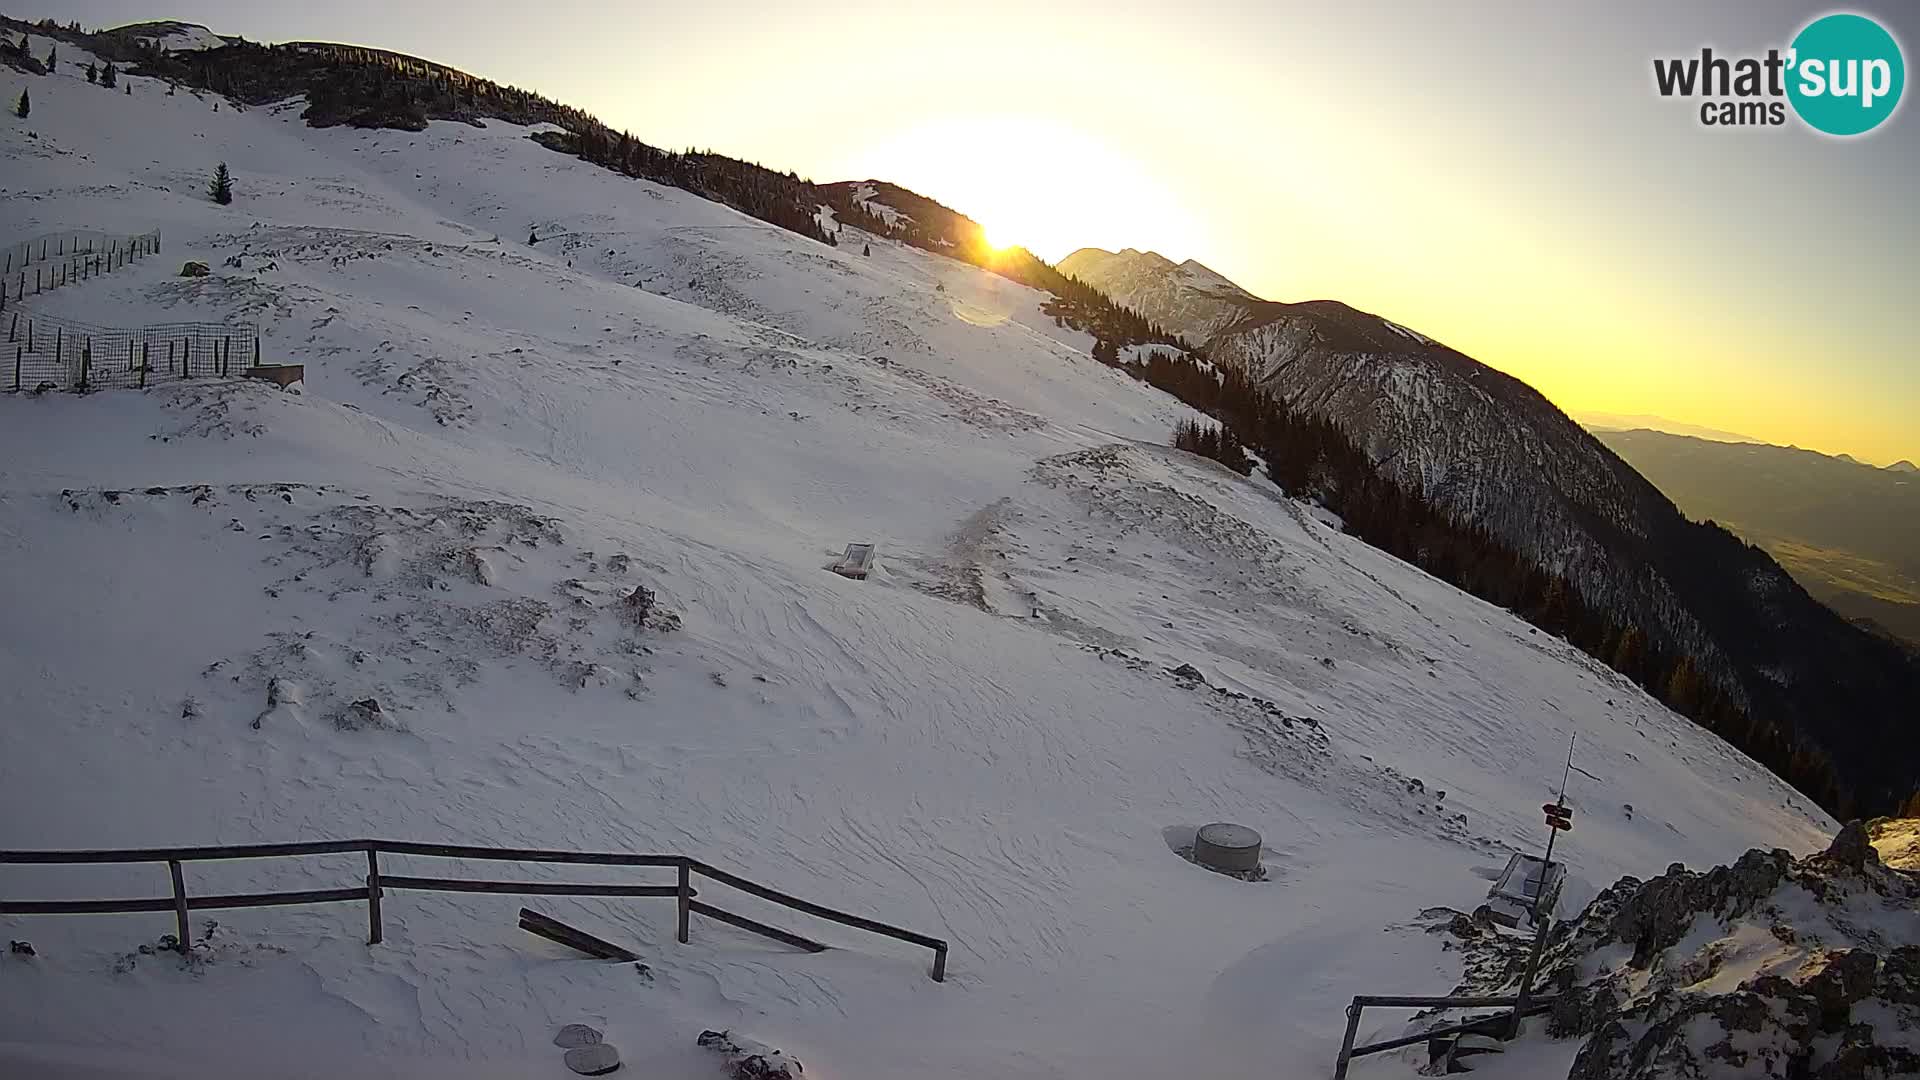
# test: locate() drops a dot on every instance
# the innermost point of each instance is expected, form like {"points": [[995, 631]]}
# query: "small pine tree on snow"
{"points": [[93, 73], [53, 57], [107, 76], [222, 187], [24, 105], [866, 249], [129, 89]]}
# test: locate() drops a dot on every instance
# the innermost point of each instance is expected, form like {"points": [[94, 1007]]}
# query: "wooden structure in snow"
{"points": [[856, 562]]}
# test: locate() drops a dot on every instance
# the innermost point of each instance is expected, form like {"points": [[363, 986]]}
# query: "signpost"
{"points": [[1559, 820]]}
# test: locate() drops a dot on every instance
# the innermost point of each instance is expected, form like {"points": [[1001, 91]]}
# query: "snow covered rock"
{"points": [[747, 1059], [596, 1059], [574, 1036], [1770, 967], [1897, 840]]}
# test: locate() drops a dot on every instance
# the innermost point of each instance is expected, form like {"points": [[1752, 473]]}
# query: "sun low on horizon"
{"points": [[1037, 183]]}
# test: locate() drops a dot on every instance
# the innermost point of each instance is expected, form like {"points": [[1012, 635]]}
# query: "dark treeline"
{"points": [[782, 199], [1313, 458], [1213, 442]]}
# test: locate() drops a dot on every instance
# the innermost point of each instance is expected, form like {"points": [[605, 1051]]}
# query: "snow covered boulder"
{"points": [[747, 1059], [195, 269]]}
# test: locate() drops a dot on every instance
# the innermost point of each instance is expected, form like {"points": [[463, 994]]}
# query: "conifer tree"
{"points": [[24, 105], [53, 57], [866, 249], [222, 187], [107, 76], [93, 73]]}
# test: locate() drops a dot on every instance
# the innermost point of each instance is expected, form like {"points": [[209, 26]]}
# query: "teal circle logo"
{"points": [[1845, 74]]}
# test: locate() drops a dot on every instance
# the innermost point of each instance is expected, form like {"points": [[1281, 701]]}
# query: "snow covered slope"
{"points": [[173, 35], [993, 739]]}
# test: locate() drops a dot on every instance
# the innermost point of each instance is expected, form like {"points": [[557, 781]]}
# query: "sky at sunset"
{"points": [[1501, 176]]}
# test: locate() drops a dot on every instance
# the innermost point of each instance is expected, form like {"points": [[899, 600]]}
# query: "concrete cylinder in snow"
{"points": [[1222, 846]]}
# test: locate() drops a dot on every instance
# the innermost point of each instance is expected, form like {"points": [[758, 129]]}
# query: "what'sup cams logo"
{"points": [[1842, 75]]}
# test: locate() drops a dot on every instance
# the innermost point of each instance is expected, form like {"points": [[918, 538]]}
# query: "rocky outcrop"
{"points": [[1772, 967]]}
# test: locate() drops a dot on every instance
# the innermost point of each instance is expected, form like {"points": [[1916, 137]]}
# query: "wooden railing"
{"points": [[376, 884]]}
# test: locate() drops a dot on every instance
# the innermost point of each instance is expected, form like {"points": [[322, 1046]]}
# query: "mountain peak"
{"points": [[1188, 298], [1903, 466]]}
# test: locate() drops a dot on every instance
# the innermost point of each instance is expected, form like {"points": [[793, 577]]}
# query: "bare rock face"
{"points": [[1853, 848]]}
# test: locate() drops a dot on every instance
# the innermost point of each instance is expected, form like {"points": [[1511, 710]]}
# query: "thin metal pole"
{"points": [[1346, 1044], [180, 905], [374, 928]]}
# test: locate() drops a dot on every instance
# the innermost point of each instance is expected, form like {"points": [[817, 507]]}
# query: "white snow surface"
{"points": [[982, 741]]}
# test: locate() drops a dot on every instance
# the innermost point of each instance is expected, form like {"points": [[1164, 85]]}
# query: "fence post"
{"points": [[16, 369], [256, 350], [180, 905], [169, 357], [145, 349], [1533, 963], [374, 934], [685, 896], [1346, 1045], [940, 964]]}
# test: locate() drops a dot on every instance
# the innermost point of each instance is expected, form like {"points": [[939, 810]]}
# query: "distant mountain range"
{"points": [[1849, 532], [1487, 449], [1604, 421]]}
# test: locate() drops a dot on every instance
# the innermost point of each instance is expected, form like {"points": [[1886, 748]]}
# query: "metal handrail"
{"points": [[1362, 1002]]}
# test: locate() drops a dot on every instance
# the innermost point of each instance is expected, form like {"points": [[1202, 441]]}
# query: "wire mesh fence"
{"points": [[47, 353], [44, 263]]}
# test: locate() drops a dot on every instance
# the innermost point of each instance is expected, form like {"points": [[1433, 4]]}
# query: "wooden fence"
{"points": [[376, 884], [45, 263], [47, 353]]}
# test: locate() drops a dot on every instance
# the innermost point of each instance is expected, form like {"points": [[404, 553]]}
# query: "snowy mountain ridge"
{"points": [[1186, 298], [1077, 645], [1486, 449]]}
